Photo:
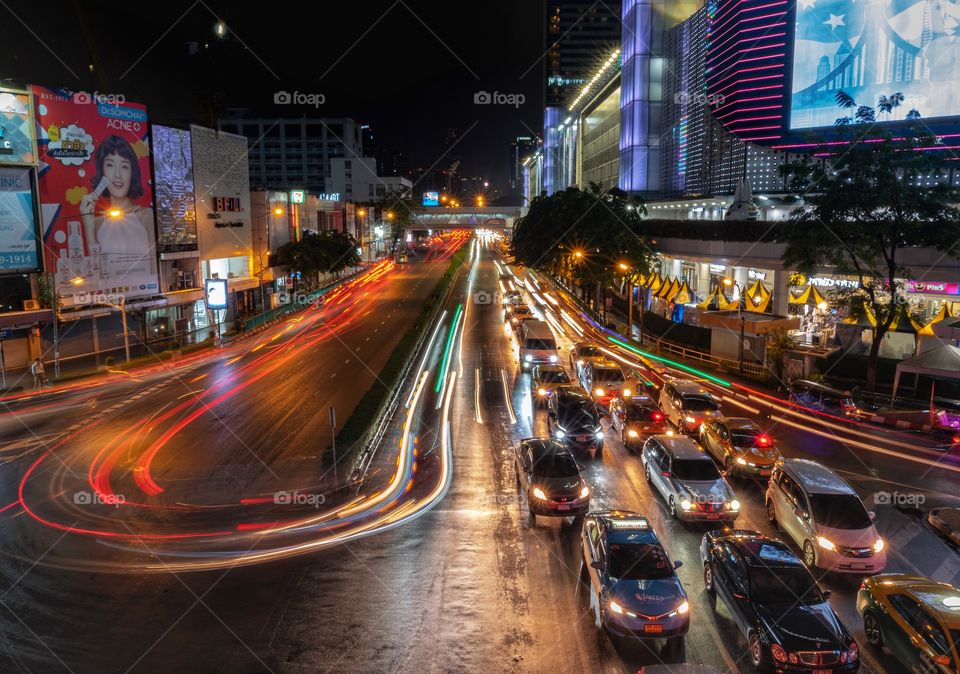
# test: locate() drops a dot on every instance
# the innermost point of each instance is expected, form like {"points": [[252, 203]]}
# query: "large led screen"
{"points": [[873, 48]]}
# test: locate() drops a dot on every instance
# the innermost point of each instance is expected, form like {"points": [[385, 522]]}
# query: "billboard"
{"points": [[216, 292], [431, 198], [222, 177], [16, 129], [176, 201], [96, 200], [18, 225], [870, 49]]}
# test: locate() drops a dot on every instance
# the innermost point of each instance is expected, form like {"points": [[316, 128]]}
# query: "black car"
{"points": [[574, 421], [550, 477], [776, 603]]}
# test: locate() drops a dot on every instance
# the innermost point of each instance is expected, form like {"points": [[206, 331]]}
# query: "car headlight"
{"points": [[560, 435], [632, 433], [528, 358], [600, 392], [599, 434], [683, 608], [780, 655], [553, 358], [690, 420], [825, 543], [585, 492], [615, 607], [879, 545], [580, 361], [541, 391], [734, 504], [685, 504], [538, 492], [626, 393], [742, 461]]}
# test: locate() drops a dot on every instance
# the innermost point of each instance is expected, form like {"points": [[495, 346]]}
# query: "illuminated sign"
{"points": [[757, 274], [431, 198], [827, 282], [717, 269], [933, 288], [328, 196], [216, 293], [298, 196]]}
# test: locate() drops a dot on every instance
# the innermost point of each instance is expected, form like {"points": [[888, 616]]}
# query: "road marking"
{"points": [[476, 394], [740, 404], [506, 396]]}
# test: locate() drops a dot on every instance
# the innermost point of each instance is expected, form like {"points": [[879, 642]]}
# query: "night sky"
{"points": [[409, 69]]}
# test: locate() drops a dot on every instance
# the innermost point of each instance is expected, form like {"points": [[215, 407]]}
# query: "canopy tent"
{"points": [[809, 296], [943, 314], [902, 322], [654, 282], [683, 295], [667, 288], [716, 298], [862, 316], [941, 363]]}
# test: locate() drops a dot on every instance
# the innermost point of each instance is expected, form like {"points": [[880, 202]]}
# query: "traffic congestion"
{"points": [[708, 459]]}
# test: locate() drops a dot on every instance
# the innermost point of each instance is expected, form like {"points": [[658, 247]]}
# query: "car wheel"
{"points": [[809, 554], [646, 473], [673, 508], [772, 514], [584, 574], [598, 451], [675, 647], [708, 578], [758, 654], [871, 626]]}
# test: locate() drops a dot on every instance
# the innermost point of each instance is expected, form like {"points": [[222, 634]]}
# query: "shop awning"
{"points": [[669, 289], [941, 315], [942, 363], [654, 282], [683, 295], [809, 296], [21, 319]]}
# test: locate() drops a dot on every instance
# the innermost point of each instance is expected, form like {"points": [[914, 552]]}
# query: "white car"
{"points": [[825, 518], [687, 404]]}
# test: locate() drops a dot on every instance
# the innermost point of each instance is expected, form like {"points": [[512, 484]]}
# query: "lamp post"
{"points": [[277, 211], [736, 286], [624, 267]]}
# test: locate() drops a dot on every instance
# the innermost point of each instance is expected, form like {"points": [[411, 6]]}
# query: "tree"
{"points": [[400, 210], [779, 343], [326, 252], [870, 199], [584, 235]]}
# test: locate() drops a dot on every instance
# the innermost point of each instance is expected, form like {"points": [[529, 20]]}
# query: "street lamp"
{"points": [[739, 289], [277, 211], [624, 267]]}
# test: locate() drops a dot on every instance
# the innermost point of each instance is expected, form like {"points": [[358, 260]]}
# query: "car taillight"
{"points": [[778, 653], [657, 416], [763, 441]]}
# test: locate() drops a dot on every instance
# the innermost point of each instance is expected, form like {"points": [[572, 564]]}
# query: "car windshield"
{"points": [[554, 377], [577, 416], [699, 404], [639, 561], [744, 439], [695, 469], [607, 375], [555, 464], [638, 413], [590, 352], [783, 585], [839, 511], [540, 345]]}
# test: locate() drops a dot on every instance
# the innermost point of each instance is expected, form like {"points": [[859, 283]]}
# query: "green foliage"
{"points": [[398, 209], [867, 202], [326, 252], [779, 343]]}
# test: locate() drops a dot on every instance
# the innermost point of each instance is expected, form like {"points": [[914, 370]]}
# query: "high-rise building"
{"points": [[520, 148], [579, 36], [295, 153]]}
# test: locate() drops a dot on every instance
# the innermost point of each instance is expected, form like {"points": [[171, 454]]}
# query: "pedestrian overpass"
{"points": [[487, 217]]}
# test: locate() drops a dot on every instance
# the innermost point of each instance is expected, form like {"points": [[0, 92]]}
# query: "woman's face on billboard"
{"points": [[117, 170]]}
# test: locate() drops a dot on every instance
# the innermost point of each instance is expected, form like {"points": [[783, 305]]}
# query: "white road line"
{"points": [[740, 404], [476, 394], [506, 396]]}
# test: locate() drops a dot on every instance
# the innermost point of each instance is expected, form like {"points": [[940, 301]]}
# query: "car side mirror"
{"points": [[942, 660], [665, 473], [827, 593], [873, 516], [597, 565], [677, 564]]}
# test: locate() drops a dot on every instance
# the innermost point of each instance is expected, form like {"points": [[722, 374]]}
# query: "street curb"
{"points": [[949, 527]]}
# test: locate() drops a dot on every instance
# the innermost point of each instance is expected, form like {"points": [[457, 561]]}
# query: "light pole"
{"points": [[278, 211], [740, 298], [626, 268]]}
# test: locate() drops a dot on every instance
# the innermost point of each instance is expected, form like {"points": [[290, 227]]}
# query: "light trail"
{"points": [[506, 396], [476, 394]]}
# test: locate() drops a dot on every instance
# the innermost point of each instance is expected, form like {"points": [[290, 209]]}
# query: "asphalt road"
{"points": [[468, 585]]}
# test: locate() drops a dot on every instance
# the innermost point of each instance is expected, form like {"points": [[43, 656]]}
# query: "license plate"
{"points": [[823, 671], [653, 627], [563, 506], [765, 471], [713, 516], [583, 438], [858, 566]]}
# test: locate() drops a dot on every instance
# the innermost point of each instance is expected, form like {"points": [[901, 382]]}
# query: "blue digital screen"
{"points": [[431, 198]]}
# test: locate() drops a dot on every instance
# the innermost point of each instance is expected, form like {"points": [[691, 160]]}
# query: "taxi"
{"points": [[916, 618], [638, 592], [544, 379]]}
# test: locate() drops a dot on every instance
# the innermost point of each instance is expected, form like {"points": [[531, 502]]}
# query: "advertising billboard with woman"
{"points": [[96, 198]]}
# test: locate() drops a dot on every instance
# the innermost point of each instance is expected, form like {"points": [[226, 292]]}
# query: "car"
{"points": [[402, 258], [581, 352], [635, 419], [638, 592], [544, 379], [687, 404], [826, 519], [548, 474], [510, 298], [916, 618], [688, 480], [821, 398], [776, 604], [516, 313], [537, 344], [603, 379], [740, 446], [572, 419]]}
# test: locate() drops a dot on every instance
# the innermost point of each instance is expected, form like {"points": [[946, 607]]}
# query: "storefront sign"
{"points": [[216, 293], [828, 282], [328, 196], [933, 288], [717, 269], [18, 226], [298, 196], [756, 274], [16, 129]]}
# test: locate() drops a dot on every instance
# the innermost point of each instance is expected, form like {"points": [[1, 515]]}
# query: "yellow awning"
{"points": [[654, 282], [810, 296], [758, 289], [943, 314], [684, 295]]}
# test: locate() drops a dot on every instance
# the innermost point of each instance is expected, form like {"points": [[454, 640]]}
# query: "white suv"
{"points": [[825, 518], [687, 404]]}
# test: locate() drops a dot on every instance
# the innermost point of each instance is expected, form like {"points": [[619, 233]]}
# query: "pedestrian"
{"points": [[39, 374]]}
